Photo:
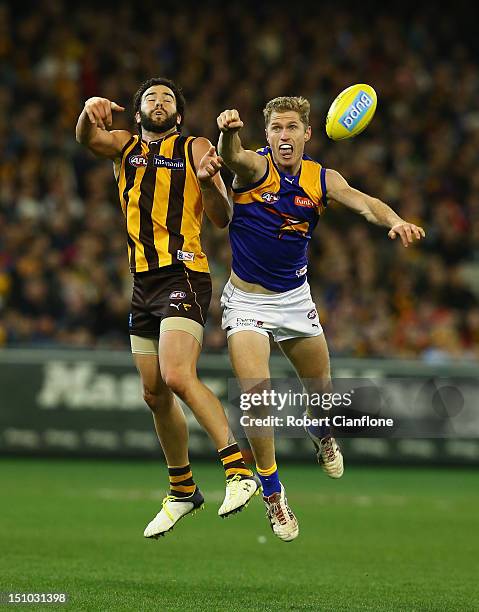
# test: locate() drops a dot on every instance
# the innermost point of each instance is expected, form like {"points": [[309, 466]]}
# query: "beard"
{"points": [[158, 127]]}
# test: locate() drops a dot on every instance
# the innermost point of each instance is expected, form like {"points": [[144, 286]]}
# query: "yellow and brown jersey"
{"points": [[161, 200]]}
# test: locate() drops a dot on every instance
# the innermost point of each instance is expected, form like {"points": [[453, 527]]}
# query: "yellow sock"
{"points": [[267, 472]]}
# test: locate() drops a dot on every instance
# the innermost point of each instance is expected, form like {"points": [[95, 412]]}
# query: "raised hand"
{"points": [[210, 164], [229, 121], [99, 111]]}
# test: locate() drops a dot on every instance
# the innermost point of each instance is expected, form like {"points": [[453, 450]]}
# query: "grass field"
{"points": [[379, 539]]}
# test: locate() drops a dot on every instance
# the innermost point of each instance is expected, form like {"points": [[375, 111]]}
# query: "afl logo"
{"points": [[137, 161], [177, 295], [269, 198]]}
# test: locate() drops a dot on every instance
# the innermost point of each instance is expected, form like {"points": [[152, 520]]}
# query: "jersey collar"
{"points": [[160, 139]]}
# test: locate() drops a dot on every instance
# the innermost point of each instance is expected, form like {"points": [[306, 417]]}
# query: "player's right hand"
{"points": [[229, 121], [99, 111]]}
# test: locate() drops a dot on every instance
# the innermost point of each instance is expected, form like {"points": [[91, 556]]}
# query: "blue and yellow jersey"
{"points": [[272, 224]]}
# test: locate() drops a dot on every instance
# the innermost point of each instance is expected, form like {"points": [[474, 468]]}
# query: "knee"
{"points": [[320, 385], [157, 399], [178, 380]]}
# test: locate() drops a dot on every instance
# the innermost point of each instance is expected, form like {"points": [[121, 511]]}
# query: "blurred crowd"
{"points": [[64, 278]]}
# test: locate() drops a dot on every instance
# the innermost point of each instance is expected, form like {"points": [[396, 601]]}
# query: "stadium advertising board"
{"points": [[90, 404]]}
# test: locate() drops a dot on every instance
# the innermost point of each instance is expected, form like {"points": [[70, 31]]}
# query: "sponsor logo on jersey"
{"points": [[356, 111], [186, 307], [290, 225], [248, 322], [177, 295], [165, 162], [312, 314], [302, 271], [304, 202], [185, 255], [269, 198], [130, 320], [137, 161]]}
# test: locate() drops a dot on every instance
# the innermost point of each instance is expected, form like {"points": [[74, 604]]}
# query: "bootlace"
{"points": [[276, 510], [328, 447], [167, 499]]}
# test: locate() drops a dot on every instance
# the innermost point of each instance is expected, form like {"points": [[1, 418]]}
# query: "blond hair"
{"points": [[283, 104]]}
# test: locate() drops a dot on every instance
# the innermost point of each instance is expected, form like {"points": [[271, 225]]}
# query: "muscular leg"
{"points": [[179, 352], [310, 358], [249, 354], [169, 419], [178, 355]]}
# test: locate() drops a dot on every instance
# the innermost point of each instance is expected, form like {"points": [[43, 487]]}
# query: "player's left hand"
{"points": [[408, 232], [210, 164]]}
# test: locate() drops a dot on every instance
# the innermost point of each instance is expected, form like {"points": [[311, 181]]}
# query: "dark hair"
{"points": [[180, 99]]}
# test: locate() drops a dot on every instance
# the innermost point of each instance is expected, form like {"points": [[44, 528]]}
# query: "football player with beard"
{"points": [[165, 182]]}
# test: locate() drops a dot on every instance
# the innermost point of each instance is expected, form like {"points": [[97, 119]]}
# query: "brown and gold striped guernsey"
{"points": [[161, 200]]}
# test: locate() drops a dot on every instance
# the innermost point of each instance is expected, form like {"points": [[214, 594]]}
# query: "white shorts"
{"points": [[286, 315]]}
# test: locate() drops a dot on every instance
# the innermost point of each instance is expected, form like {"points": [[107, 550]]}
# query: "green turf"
{"points": [[379, 539]]}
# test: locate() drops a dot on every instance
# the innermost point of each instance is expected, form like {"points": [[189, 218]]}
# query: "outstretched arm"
{"points": [[93, 125], [213, 190], [373, 209], [248, 166]]}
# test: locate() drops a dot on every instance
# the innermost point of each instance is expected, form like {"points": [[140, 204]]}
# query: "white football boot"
{"points": [[329, 456], [282, 520], [328, 453], [173, 509], [239, 490]]}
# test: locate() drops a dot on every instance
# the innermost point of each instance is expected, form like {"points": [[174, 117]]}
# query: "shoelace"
{"points": [[167, 499], [233, 484], [236, 480], [276, 510], [328, 447]]}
